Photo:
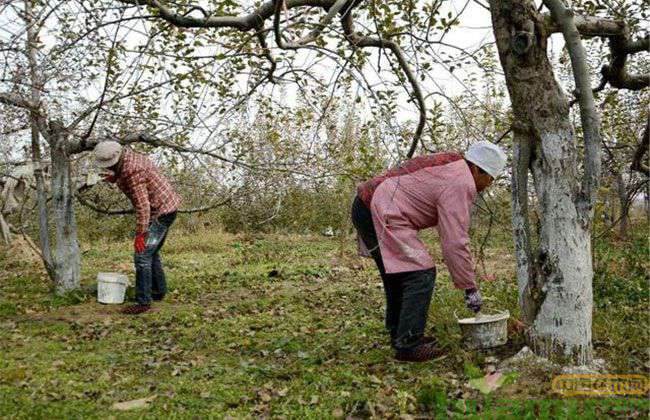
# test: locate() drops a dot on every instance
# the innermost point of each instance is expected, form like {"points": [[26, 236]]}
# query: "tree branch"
{"points": [[333, 11], [17, 101], [588, 113], [620, 45], [243, 22], [615, 72], [367, 41], [125, 212], [261, 37], [638, 163]]}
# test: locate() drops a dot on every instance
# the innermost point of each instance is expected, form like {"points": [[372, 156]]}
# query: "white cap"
{"points": [[487, 156], [107, 153]]}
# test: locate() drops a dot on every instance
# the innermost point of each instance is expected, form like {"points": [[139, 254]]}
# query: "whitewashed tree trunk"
{"points": [[555, 271], [67, 259], [562, 325]]}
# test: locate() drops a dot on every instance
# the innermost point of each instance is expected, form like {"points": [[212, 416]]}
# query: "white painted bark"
{"points": [[68, 262], [589, 116], [554, 277], [562, 326], [4, 231]]}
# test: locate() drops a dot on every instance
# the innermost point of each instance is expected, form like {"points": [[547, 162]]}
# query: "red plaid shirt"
{"points": [[366, 189], [149, 191]]}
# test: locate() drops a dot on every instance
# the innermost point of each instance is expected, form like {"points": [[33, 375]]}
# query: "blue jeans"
{"points": [[408, 294], [149, 274]]}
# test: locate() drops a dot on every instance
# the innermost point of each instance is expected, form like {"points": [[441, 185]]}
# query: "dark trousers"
{"points": [[149, 274], [408, 294]]}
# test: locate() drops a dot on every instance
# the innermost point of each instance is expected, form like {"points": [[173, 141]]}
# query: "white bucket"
{"points": [[485, 331], [111, 287]]}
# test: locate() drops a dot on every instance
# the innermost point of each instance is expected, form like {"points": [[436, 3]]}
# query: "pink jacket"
{"points": [[440, 196]]}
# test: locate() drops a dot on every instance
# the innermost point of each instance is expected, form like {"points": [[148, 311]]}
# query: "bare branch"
{"points": [[17, 101]]}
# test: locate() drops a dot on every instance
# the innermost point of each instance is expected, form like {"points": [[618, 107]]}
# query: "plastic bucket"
{"points": [[111, 287], [485, 331]]}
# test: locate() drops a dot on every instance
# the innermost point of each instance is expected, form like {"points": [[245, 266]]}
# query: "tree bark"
{"points": [[624, 204], [35, 94], [68, 261], [556, 290], [521, 224], [41, 199]]}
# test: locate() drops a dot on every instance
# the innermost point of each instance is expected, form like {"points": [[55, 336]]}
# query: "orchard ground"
{"points": [[289, 325]]}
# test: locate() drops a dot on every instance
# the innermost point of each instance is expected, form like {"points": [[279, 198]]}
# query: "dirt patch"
{"points": [[23, 249]]}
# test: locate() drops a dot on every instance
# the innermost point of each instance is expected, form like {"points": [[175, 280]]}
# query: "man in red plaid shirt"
{"points": [[155, 202]]}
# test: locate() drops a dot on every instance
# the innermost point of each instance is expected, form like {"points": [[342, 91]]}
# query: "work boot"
{"points": [[136, 309], [428, 339], [420, 353], [425, 339], [157, 297]]}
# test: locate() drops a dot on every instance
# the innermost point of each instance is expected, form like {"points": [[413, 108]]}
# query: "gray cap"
{"points": [[487, 156], [107, 153]]}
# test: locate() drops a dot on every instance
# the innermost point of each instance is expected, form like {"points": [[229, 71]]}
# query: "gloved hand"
{"points": [[473, 300], [110, 178], [139, 243]]}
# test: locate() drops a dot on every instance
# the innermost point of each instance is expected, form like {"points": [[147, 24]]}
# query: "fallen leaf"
{"points": [[490, 382], [338, 413], [133, 404]]}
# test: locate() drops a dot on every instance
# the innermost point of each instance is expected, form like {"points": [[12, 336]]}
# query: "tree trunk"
{"points": [[624, 205], [563, 271], [5, 232], [35, 93], [68, 262], [646, 202], [555, 288], [41, 199]]}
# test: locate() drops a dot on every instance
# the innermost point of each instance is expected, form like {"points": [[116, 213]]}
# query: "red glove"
{"points": [[110, 178], [139, 243]]}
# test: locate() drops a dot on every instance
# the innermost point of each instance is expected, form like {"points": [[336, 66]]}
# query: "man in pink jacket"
{"points": [[389, 210]]}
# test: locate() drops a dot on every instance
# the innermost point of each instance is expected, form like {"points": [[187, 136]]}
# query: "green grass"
{"points": [[272, 325]]}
